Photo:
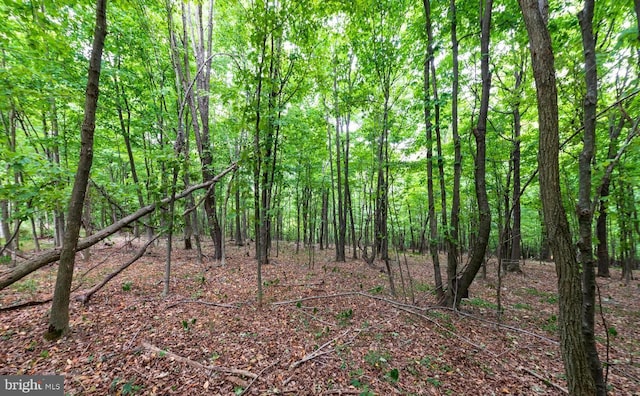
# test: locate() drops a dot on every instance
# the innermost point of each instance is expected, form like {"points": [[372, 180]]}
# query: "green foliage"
{"points": [[187, 324], [481, 303], [551, 324], [28, 286], [344, 317], [126, 286], [377, 359]]}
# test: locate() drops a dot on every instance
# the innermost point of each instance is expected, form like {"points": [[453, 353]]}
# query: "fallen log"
{"points": [[53, 255]]}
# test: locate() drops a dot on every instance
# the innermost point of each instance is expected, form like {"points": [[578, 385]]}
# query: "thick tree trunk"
{"points": [[579, 378], [59, 318]]}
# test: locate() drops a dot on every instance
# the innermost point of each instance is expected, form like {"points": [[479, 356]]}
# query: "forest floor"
{"points": [[325, 328]]}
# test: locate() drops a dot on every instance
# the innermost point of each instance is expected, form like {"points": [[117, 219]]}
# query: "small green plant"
{"points": [[434, 381], [238, 390], [551, 324], [377, 359], [612, 331], [273, 282], [376, 290], [44, 354], [344, 317], [28, 286], [522, 306], [126, 286], [393, 375], [423, 288], [482, 303], [186, 324], [129, 388]]}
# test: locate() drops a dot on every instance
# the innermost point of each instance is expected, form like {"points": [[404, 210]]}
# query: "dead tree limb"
{"points": [[211, 304], [206, 368], [319, 351], [87, 296], [53, 255]]}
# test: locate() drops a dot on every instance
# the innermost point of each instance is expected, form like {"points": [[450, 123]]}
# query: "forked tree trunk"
{"points": [[579, 379]]}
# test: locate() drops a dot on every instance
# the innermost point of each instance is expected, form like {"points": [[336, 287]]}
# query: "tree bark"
{"points": [[579, 378], [453, 233], [480, 131], [433, 221], [584, 209], [59, 318]]}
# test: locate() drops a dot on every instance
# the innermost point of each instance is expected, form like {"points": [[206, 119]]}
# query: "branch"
{"points": [[546, 381], [86, 296], [319, 352], [203, 303], [195, 364], [53, 255]]}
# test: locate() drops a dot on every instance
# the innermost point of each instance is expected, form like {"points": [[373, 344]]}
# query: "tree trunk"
{"points": [[59, 319], [584, 208], [453, 233], [480, 131], [579, 378], [433, 221]]}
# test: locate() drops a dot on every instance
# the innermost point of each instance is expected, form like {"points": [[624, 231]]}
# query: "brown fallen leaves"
{"points": [[327, 329]]}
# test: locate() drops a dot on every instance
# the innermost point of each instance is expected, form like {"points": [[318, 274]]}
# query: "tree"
{"points": [[585, 208], [59, 318], [574, 355]]}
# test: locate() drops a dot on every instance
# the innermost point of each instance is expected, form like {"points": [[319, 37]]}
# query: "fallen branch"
{"points": [[319, 351], [221, 305], [25, 305], [53, 255], [546, 381], [258, 376], [297, 300], [200, 366], [86, 296]]}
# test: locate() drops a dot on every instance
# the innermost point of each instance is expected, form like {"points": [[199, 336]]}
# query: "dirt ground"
{"points": [[325, 328]]}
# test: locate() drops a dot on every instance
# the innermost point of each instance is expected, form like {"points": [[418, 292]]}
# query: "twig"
{"points": [[318, 319], [504, 326], [315, 298], [201, 366], [546, 381], [319, 352], [188, 301], [87, 296], [258, 376]]}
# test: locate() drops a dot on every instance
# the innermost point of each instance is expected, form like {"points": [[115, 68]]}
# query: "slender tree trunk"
{"points": [[480, 132], [453, 233], [433, 221], [59, 318], [584, 209], [579, 378]]}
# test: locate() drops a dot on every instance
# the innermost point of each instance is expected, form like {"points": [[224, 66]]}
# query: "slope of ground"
{"points": [[325, 328]]}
